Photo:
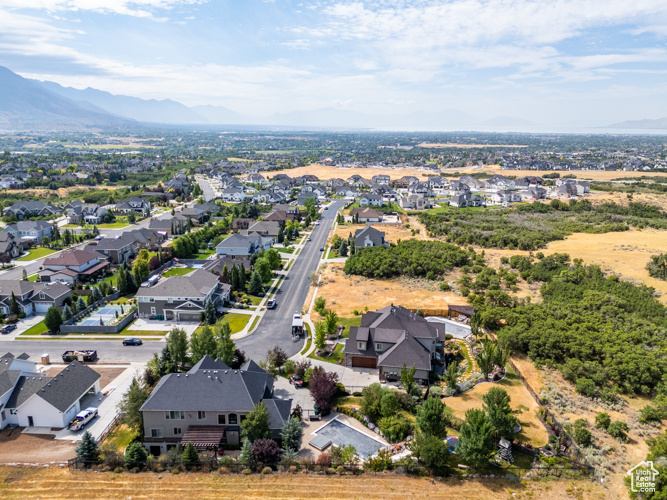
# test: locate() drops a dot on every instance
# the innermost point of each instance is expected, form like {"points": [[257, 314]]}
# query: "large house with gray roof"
{"points": [[30, 230], [369, 237], [29, 398], [241, 245], [392, 336], [32, 297], [181, 298], [24, 209], [206, 406]]}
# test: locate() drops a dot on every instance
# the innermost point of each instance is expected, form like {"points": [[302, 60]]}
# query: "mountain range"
{"points": [[36, 105], [660, 123]]}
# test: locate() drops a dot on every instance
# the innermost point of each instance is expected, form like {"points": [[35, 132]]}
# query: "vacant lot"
{"points": [[28, 449], [56, 484], [345, 294], [624, 254], [595, 175], [323, 172], [532, 431], [392, 232]]}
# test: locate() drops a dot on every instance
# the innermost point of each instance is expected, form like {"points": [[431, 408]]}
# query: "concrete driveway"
{"points": [[164, 326], [22, 326], [284, 390]]}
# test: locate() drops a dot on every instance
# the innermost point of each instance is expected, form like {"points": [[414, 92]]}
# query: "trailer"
{"points": [[82, 356]]}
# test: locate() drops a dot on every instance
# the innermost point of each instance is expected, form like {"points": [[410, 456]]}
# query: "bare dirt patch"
{"points": [[345, 294], [61, 192], [57, 484], [29, 448], [595, 175], [324, 172]]}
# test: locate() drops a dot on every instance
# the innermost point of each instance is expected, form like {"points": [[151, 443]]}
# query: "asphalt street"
{"points": [[108, 351], [208, 193], [275, 327]]}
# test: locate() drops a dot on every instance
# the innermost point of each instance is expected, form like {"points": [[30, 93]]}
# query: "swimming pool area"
{"points": [[337, 433], [454, 328], [107, 313]]}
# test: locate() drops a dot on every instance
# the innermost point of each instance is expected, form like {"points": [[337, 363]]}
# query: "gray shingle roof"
{"points": [[194, 285], [26, 387], [69, 385]]}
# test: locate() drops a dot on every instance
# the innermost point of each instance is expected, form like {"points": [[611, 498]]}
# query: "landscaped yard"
{"points": [[37, 329], [204, 254], [178, 271], [335, 357], [120, 437], [37, 253], [237, 321], [285, 250], [348, 322], [112, 225]]}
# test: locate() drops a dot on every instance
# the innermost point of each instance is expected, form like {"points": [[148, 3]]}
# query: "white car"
{"points": [[82, 418]]}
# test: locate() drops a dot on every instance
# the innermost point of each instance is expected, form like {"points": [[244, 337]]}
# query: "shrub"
{"points": [[435, 390], [582, 436], [267, 470], [175, 471], [324, 459], [618, 430], [293, 468], [395, 428], [289, 367], [340, 469], [118, 470], [247, 472], [444, 287], [586, 387], [602, 420]]}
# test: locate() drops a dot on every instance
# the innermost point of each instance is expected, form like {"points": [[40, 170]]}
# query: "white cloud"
{"points": [[135, 8]]}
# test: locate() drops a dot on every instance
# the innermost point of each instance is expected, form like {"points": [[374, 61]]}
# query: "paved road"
{"points": [[209, 194], [108, 351], [276, 325]]}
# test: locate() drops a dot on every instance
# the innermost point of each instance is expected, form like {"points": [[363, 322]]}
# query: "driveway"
{"points": [[22, 326], [164, 326], [284, 390]]}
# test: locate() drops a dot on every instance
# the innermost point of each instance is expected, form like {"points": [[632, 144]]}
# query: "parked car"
{"points": [[7, 329], [82, 418], [308, 239], [321, 249], [271, 303], [132, 341], [296, 381], [326, 208]]}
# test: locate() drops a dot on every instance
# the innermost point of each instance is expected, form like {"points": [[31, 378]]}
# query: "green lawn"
{"points": [[178, 271], [203, 254], [336, 355], [37, 253], [120, 437], [33, 277], [255, 300], [305, 349], [112, 225], [37, 329], [254, 323], [285, 250], [237, 321], [348, 322]]}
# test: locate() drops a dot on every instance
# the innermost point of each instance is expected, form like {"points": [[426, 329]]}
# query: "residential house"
{"points": [[74, 265], [287, 208], [499, 182], [77, 211], [393, 337], [30, 230], [267, 196], [414, 202], [466, 200], [265, 228], [347, 192], [233, 195], [281, 217], [369, 237], [181, 298], [136, 205], [117, 250], [366, 214], [505, 197], [438, 183], [25, 209], [255, 179], [458, 188], [10, 246], [29, 398], [242, 223], [370, 200], [206, 406], [381, 179], [32, 297], [145, 238], [303, 197], [167, 227], [240, 245], [533, 193], [9, 181], [473, 183]]}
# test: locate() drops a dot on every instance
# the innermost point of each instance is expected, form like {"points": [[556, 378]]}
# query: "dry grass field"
{"points": [[624, 254], [393, 232], [595, 175], [345, 294], [443, 145], [61, 192], [323, 172], [62, 484]]}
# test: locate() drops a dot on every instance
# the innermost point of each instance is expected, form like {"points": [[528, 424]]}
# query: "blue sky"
{"points": [[558, 62]]}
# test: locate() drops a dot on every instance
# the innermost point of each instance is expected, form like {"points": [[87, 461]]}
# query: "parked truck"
{"points": [[82, 418], [82, 356], [297, 326]]}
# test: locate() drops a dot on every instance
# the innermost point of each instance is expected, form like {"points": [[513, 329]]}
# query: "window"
{"points": [[152, 299], [175, 415], [189, 305], [41, 295], [156, 433], [233, 419], [170, 300], [13, 411], [361, 346], [201, 415], [152, 310], [221, 420], [378, 346], [177, 431]]}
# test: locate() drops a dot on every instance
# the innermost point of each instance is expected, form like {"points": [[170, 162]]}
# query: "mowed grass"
{"points": [[120, 437], [37, 329], [19, 483], [237, 322], [37, 253], [178, 271]]}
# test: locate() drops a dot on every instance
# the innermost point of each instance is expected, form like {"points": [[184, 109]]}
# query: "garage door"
{"points": [[41, 307], [364, 362], [189, 316]]}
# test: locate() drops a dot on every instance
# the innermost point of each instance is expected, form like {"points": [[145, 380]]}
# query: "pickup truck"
{"points": [[89, 355], [82, 418]]}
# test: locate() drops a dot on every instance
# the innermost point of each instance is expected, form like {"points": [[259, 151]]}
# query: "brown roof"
{"points": [[365, 212], [203, 436], [71, 258]]}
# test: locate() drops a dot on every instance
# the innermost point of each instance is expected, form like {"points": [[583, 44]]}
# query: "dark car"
{"points": [[321, 249], [7, 328], [296, 381], [132, 341]]}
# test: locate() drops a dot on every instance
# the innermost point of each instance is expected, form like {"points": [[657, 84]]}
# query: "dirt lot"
{"points": [[61, 192], [393, 232], [108, 374], [24, 448], [624, 254], [323, 172], [56, 484], [345, 294], [533, 431], [596, 175]]}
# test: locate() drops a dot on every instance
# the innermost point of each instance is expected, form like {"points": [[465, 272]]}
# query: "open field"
{"points": [[393, 232], [595, 175], [55, 484], [624, 254], [61, 192], [323, 172], [345, 294], [532, 430]]}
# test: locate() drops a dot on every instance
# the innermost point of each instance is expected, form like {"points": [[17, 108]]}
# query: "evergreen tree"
{"points": [[80, 304], [242, 277], [225, 274], [245, 457], [24, 276], [292, 434], [190, 455], [431, 418], [234, 281], [476, 439], [203, 342], [87, 451], [136, 274], [281, 235], [121, 281], [342, 249], [53, 320], [256, 424], [497, 408], [135, 455], [320, 335], [210, 312], [131, 403], [255, 287], [14, 306], [97, 295], [67, 312], [226, 350]]}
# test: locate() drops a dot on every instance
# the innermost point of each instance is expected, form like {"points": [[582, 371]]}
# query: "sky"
{"points": [[578, 62]]}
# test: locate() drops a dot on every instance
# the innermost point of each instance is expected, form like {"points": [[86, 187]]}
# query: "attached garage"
{"points": [[41, 307], [188, 316], [359, 362]]}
